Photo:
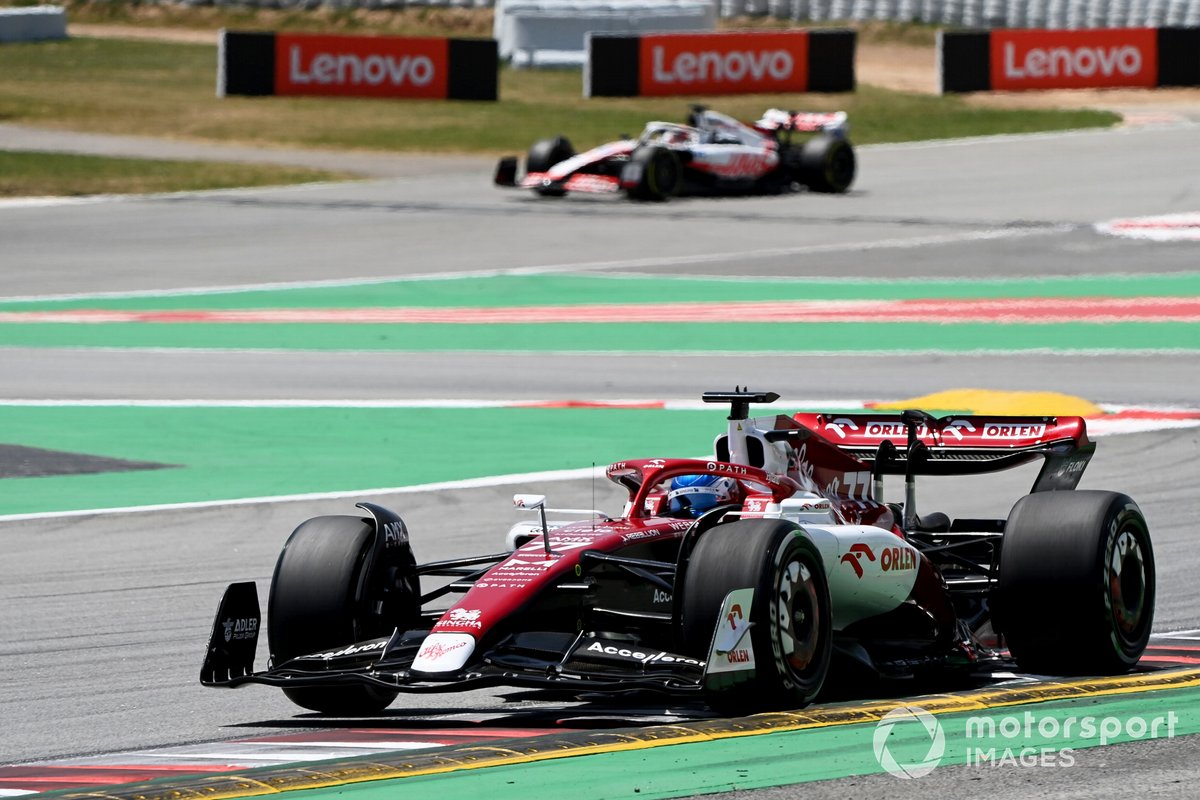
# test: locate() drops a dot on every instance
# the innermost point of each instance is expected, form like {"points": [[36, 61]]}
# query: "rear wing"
{"points": [[833, 122], [916, 443]]}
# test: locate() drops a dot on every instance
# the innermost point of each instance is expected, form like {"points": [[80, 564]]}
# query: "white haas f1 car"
{"points": [[792, 563], [713, 154]]}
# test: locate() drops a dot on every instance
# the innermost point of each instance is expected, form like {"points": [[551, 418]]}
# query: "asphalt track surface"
{"points": [[105, 617]]}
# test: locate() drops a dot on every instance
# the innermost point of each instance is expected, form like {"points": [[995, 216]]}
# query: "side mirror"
{"points": [[529, 501], [536, 502]]}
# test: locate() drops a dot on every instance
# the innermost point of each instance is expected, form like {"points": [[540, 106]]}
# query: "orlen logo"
{"points": [[1074, 59], [888, 430], [995, 431], [897, 558], [370, 66], [724, 63], [854, 557]]}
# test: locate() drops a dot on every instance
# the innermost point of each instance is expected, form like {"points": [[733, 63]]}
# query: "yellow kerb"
{"points": [[987, 401]]}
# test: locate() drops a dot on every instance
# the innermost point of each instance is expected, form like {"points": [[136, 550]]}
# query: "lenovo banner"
{"points": [[723, 63], [356, 66], [1102, 58], [737, 62], [366, 66], [1019, 60]]}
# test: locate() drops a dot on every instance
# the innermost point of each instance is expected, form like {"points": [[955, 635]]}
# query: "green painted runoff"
{"points": [[848, 337], [230, 453], [488, 291], [566, 290]]}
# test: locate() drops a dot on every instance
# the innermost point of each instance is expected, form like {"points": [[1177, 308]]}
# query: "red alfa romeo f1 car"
{"points": [[738, 578], [712, 154]]}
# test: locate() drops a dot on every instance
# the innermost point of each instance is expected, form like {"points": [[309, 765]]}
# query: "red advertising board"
{"points": [[366, 66], [723, 63], [1075, 59]]}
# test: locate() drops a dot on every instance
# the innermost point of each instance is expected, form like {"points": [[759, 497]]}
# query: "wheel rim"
{"points": [[1127, 584], [798, 616]]}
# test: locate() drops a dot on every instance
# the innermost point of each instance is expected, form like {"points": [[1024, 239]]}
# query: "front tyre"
{"points": [[319, 600], [791, 632], [543, 155], [827, 164], [1077, 583]]}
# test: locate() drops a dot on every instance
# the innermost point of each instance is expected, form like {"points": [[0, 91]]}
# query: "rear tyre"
{"points": [[657, 173], [543, 155], [791, 635], [827, 164], [321, 599], [1077, 583]]}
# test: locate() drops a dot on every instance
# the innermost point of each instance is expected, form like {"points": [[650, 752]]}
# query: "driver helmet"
{"points": [[692, 495], [677, 137]]}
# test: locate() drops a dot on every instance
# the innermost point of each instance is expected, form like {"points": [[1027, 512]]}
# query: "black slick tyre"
{"points": [[1077, 583], [318, 602], [791, 634], [659, 173], [827, 164], [543, 155]]}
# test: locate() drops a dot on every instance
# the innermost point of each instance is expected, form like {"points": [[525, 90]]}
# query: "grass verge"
{"points": [[63, 175], [167, 89]]}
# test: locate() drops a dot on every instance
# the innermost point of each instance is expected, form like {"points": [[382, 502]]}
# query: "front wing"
{"points": [[506, 176], [578, 182], [540, 659]]}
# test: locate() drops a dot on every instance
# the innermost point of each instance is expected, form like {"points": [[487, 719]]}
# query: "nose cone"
{"points": [[444, 652]]}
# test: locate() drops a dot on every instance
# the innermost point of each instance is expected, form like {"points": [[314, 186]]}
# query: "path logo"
{"points": [[909, 742]]}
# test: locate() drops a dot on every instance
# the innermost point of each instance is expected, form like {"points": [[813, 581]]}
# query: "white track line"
{"points": [[350, 745], [1191, 633], [360, 494], [583, 266]]}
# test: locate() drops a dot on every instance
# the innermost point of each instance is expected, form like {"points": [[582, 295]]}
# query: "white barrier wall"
{"points": [[1049, 14], [554, 32], [33, 24]]}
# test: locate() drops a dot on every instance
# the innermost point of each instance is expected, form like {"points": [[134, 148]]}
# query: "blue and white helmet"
{"points": [[692, 495]]}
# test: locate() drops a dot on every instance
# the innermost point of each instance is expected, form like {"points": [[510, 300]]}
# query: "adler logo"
{"points": [[240, 629], [712, 66]]}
